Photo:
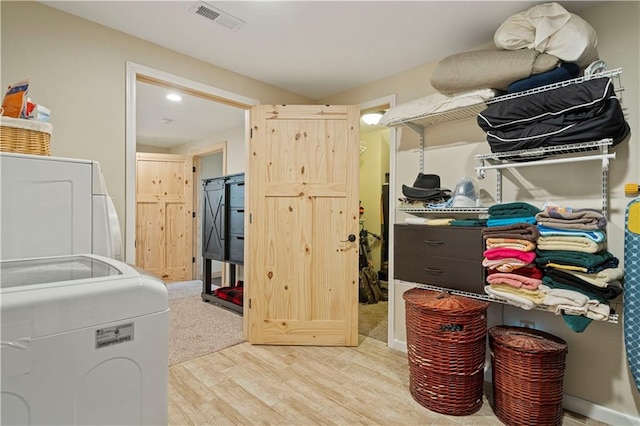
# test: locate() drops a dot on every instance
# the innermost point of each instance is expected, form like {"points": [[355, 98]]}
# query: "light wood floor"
{"points": [[294, 385]]}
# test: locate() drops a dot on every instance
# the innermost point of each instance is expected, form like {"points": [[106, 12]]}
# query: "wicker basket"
{"points": [[25, 136], [446, 345], [528, 371]]}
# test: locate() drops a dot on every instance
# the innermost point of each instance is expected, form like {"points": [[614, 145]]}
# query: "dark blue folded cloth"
{"points": [[565, 71]]}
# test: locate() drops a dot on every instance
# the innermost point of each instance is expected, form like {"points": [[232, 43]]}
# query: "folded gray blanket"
{"points": [[578, 219], [494, 69]]}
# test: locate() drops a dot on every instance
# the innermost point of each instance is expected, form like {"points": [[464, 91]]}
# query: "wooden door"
{"points": [[302, 183], [164, 215]]}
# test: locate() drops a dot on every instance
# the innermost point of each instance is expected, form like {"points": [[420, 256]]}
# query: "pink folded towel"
{"points": [[499, 253], [514, 280]]}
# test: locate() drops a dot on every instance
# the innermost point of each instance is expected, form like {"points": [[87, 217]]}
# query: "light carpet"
{"points": [[372, 320], [197, 328]]}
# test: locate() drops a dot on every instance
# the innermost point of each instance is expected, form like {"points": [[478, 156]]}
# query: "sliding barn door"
{"points": [[302, 185], [164, 216]]}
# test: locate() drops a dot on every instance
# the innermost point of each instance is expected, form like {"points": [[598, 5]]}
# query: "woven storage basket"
{"points": [[528, 372], [25, 136], [446, 345]]}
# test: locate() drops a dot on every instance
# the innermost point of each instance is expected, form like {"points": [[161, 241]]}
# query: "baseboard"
{"points": [[569, 402], [398, 345], [598, 412]]}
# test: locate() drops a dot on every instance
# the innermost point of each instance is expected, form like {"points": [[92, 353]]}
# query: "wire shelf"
{"points": [[429, 119], [445, 210], [611, 73], [613, 318], [547, 150]]}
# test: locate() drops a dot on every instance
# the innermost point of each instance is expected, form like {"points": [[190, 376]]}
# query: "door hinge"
{"points": [[251, 133], [193, 260], [193, 214], [194, 169], [249, 303], [250, 218]]}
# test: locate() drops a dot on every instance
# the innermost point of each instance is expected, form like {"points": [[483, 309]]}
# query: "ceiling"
{"points": [[312, 48], [191, 119]]}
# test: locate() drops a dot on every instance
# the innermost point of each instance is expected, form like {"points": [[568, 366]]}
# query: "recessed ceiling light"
{"points": [[174, 97]]}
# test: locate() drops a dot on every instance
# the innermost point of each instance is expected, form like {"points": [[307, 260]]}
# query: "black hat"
{"points": [[426, 188]]}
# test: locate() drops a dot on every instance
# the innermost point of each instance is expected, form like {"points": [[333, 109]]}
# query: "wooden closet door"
{"points": [[302, 184], [164, 215]]}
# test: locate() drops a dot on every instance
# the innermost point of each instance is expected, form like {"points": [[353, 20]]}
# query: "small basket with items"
{"points": [[24, 126]]}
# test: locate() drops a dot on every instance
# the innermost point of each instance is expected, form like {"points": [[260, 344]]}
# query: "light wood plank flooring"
{"points": [[297, 385]]}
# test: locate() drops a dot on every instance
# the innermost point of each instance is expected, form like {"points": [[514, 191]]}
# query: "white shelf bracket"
{"points": [[480, 170]]}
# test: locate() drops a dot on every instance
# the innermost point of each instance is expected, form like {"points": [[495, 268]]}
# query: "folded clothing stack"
{"points": [[572, 251], [510, 213]]}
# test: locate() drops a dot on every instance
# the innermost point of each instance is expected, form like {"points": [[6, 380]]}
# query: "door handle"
{"points": [[351, 238]]}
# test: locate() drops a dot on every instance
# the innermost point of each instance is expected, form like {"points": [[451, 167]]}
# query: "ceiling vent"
{"points": [[216, 16]]}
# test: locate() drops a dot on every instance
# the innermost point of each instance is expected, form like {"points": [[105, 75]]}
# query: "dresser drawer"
{"points": [[236, 221], [236, 249], [442, 241], [463, 275], [236, 194]]}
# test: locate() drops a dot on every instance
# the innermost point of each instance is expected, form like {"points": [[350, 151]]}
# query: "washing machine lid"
{"points": [[47, 296], [54, 269]]}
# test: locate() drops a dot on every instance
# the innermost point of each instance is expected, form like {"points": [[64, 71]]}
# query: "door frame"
{"points": [[381, 103], [134, 73], [196, 156]]}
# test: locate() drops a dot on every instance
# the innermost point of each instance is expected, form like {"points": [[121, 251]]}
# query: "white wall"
{"points": [[596, 364], [235, 148], [77, 70]]}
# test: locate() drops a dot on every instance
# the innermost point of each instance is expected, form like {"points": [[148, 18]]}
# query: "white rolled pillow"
{"points": [[550, 28]]}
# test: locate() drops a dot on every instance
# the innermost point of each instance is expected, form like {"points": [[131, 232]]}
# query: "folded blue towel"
{"points": [[594, 235], [511, 221]]}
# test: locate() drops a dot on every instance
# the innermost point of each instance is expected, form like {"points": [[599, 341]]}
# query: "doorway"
{"points": [[226, 141], [376, 151], [208, 165]]}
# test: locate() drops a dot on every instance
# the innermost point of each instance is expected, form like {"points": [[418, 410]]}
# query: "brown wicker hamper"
{"points": [[528, 372], [25, 136], [446, 345]]}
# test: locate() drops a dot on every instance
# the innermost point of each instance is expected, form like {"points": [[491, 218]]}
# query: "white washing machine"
{"points": [[84, 342]]}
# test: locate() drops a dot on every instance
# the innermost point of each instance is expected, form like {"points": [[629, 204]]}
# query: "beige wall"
{"points": [[77, 70], [596, 364], [374, 162]]}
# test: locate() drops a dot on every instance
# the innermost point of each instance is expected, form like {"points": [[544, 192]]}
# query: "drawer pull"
{"points": [[434, 270], [433, 242]]}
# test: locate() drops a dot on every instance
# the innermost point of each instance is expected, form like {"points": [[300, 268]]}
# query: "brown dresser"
{"points": [[443, 256]]}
